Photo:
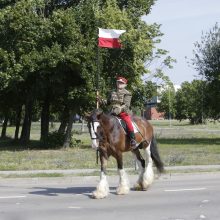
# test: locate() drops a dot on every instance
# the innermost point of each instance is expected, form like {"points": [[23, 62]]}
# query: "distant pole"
{"points": [[203, 87], [169, 105]]}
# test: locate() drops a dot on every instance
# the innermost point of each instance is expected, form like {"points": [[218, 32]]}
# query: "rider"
{"points": [[120, 101]]}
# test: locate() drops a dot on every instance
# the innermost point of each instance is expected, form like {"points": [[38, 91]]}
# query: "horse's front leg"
{"points": [[123, 187], [102, 189]]}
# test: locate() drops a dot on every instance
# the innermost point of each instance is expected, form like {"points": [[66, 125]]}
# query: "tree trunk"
{"points": [[45, 118], [4, 126], [26, 128], [64, 121], [83, 126], [18, 122], [67, 140]]}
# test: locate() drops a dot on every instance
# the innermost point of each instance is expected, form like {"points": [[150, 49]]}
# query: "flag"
{"points": [[110, 38]]}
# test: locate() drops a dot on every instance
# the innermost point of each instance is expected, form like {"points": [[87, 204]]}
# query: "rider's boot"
{"points": [[133, 142]]}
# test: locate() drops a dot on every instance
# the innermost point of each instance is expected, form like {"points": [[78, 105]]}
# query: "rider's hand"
{"points": [[98, 99]]}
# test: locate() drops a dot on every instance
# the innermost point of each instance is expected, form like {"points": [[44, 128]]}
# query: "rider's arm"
{"points": [[104, 102], [127, 102]]}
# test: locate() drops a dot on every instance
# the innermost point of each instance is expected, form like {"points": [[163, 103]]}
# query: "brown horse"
{"points": [[110, 139]]}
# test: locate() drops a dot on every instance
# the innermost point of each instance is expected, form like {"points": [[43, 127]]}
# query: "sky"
{"points": [[182, 23]]}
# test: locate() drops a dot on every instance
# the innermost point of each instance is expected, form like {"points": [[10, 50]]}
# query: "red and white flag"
{"points": [[110, 38]]}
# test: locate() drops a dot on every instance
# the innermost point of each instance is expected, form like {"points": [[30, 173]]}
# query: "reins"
{"points": [[94, 138]]}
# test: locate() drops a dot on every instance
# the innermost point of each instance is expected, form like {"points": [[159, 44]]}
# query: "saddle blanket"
{"points": [[123, 124]]}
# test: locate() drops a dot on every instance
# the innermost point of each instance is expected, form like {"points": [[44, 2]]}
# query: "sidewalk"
{"points": [[84, 171]]}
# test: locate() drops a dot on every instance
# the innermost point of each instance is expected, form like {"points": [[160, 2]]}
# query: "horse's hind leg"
{"points": [[146, 175], [123, 187], [141, 166], [102, 189]]}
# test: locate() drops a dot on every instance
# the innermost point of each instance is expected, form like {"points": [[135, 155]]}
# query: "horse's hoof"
{"points": [[141, 187], [98, 195], [144, 187], [122, 190], [137, 187]]}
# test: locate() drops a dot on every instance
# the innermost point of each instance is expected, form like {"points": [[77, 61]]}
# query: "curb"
{"points": [[84, 171]]}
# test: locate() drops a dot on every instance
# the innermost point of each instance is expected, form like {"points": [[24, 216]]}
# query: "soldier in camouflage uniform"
{"points": [[120, 101]]}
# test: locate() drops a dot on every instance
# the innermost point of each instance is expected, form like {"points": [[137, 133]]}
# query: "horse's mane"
{"points": [[108, 118]]}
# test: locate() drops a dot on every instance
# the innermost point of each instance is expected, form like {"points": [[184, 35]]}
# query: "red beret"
{"points": [[122, 80]]}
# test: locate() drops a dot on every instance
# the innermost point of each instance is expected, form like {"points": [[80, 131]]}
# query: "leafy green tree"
{"points": [[206, 61], [138, 42], [191, 102], [42, 47], [48, 56], [142, 94]]}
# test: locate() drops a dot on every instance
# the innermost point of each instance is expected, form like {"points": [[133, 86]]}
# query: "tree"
{"points": [[142, 94], [190, 102], [39, 55], [48, 56], [206, 61], [138, 42]]}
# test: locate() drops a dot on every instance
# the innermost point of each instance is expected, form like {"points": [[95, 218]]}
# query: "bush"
{"points": [[75, 142], [56, 139]]}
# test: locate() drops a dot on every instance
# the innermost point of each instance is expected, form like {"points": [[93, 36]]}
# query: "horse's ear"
{"points": [[99, 112], [86, 115]]}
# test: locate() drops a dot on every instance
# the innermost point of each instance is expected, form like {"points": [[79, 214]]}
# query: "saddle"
{"points": [[124, 125], [136, 130]]}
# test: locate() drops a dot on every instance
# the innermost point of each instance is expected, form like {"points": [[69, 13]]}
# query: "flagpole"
{"points": [[108, 38], [97, 77]]}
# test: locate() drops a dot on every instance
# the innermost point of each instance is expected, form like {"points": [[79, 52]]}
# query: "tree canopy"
{"points": [[206, 61], [48, 56]]}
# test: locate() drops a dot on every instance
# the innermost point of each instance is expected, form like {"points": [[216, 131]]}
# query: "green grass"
{"points": [[185, 123], [180, 144]]}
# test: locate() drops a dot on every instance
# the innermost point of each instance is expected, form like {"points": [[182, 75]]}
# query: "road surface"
{"points": [[175, 197]]}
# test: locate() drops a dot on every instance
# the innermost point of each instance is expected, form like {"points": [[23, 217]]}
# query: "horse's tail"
{"points": [[155, 155]]}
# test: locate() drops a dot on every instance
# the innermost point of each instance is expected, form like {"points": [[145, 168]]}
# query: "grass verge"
{"points": [[179, 145]]}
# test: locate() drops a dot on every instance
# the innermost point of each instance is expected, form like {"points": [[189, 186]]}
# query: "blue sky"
{"points": [[182, 22]]}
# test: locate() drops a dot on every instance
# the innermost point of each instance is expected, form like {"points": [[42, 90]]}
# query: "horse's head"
{"points": [[93, 125]]}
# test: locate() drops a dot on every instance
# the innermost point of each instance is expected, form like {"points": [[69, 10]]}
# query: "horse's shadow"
{"points": [[48, 191]]}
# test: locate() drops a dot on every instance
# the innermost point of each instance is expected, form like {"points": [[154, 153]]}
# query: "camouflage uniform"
{"points": [[120, 101]]}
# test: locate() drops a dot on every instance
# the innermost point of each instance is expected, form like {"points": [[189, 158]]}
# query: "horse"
{"points": [[109, 138]]}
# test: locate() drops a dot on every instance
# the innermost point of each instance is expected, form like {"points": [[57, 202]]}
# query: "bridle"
{"points": [[92, 126]]}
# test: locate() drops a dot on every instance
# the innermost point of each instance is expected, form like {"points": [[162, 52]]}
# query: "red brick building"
{"points": [[151, 112]]}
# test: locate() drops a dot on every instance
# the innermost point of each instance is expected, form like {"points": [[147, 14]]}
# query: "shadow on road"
{"points": [[46, 191], [86, 191]]}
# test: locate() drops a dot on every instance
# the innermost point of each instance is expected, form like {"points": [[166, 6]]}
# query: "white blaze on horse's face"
{"points": [[93, 132]]}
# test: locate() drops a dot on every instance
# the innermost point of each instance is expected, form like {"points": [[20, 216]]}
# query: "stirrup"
{"points": [[133, 144]]}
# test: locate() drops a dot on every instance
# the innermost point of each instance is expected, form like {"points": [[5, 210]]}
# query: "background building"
{"points": [[151, 112]]}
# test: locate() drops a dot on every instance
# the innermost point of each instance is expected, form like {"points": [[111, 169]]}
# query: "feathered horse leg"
{"points": [[102, 189], [141, 166], [123, 187], [146, 174]]}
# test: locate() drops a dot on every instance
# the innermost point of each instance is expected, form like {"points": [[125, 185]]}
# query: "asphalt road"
{"points": [[176, 197]]}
